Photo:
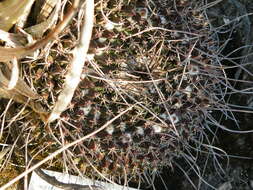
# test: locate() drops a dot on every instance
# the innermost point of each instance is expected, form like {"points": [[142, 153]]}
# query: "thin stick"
{"points": [[162, 29]]}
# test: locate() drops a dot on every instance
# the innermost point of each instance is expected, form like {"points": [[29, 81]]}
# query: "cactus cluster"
{"points": [[159, 56], [170, 72]]}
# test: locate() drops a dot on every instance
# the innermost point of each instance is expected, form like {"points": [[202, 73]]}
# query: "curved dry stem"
{"points": [[7, 54], [74, 74]]}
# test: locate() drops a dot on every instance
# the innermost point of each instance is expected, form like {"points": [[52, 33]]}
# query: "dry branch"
{"points": [[75, 71]]}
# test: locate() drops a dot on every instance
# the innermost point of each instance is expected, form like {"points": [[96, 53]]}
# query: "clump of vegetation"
{"points": [[160, 58]]}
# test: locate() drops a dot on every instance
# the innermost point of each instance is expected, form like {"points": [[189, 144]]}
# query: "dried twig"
{"points": [[73, 76]]}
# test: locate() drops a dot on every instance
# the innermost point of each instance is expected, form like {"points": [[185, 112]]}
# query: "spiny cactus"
{"points": [[172, 75], [162, 59]]}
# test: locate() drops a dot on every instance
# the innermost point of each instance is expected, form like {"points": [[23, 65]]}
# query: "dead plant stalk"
{"points": [[79, 57]]}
